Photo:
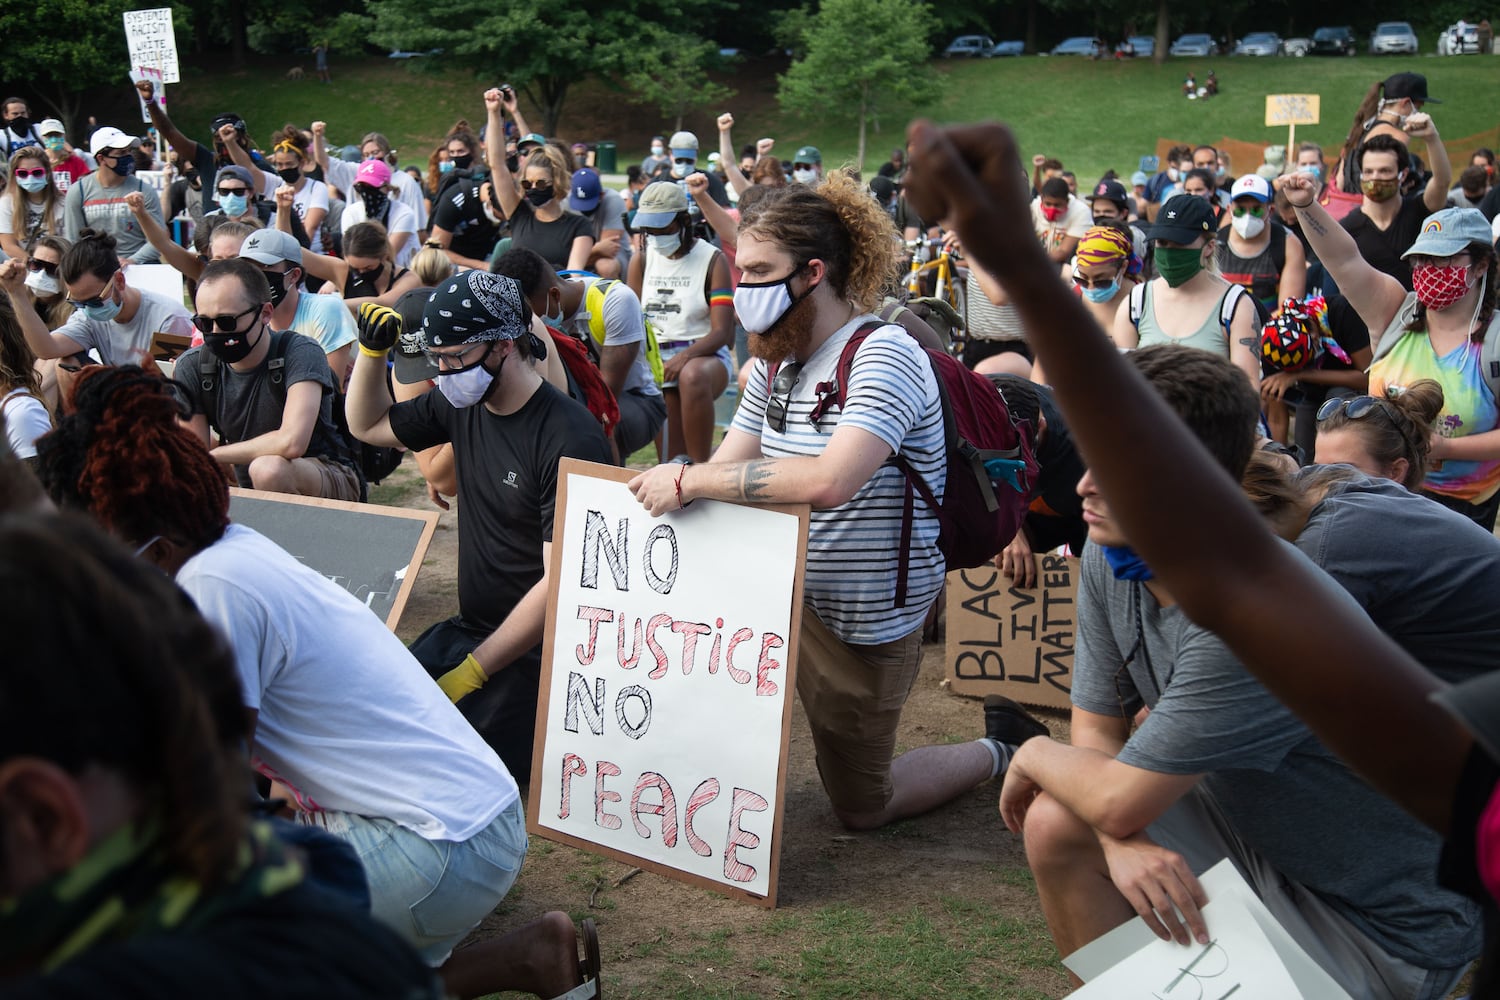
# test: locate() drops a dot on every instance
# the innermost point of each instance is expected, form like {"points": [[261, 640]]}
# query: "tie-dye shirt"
{"points": [[1469, 407]]}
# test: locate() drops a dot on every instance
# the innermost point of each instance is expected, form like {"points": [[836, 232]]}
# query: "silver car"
{"points": [[1259, 43], [1393, 37], [1193, 45]]}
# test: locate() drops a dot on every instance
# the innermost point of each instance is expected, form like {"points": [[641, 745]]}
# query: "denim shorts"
{"points": [[432, 892]]}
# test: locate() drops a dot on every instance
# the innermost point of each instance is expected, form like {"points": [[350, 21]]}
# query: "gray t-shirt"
{"points": [[1284, 793], [121, 343], [91, 205], [1427, 576], [249, 405]]}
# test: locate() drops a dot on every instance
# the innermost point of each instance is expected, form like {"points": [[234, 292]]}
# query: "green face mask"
{"points": [[1178, 264]]}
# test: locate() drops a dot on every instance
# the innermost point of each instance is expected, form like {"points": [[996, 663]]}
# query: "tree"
{"points": [[860, 59], [676, 81], [540, 47]]}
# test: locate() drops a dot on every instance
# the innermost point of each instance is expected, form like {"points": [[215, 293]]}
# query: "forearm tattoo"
{"points": [[755, 480]]}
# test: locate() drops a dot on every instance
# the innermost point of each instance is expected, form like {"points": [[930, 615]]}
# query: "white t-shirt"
{"points": [[341, 174], [121, 343], [33, 213], [398, 220], [25, 419], [348, 719], [1074, 222], [314, 194], [624, 324]]}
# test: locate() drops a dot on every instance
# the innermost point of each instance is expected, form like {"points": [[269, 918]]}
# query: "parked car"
{"points": [[1081, 45], [1296, 46], [1139, 46], [1334, 42], [1193, 45], [1259, 43], [1008, 48], [973, 46], [1456, 41], [1391, 37]]}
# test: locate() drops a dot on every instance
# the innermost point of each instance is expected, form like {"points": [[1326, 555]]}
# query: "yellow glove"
{"points": [[379, 328], [464, 679]]}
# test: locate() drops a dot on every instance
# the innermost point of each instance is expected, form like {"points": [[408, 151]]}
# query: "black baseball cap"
{"points": [[1413, 85], [1183, 219], [1109, 190], [412, 364]]}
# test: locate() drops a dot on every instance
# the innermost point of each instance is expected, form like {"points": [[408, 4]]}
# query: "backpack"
{"points": [[370, 462], [585, 384], [992, 468], [1227, 306], [1489, 351], [598, 291]]}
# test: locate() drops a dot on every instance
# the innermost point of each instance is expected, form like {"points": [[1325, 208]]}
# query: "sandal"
{"points": [[592, 987]]}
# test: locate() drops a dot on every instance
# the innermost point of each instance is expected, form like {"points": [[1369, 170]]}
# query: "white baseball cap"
{"points": [[51, 126], [1251, 186], [110, 137]]}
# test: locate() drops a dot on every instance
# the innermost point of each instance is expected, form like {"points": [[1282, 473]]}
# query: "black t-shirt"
{"points": [[507, 484], [553, 240], [1382, 249], [1490, 203], [1056, 515], [1348, 329], [460, 212]]}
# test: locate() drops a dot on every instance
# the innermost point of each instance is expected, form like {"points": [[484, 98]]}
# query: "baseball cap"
{"points": [[808, 154], [1183, 219], [586, 192], [1251, 186], [51, 126], [1413, 85], [530, 139], [684, 146], [713, 157], [374, 173], [660, 204], [473, 306], [412, 364], [271, 246], [1109, 190], [1139, 179], [110, 137], [236, 172], [1450, 231]]}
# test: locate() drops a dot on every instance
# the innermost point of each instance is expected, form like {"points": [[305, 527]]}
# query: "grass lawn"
{"points": [[1092, 116]]}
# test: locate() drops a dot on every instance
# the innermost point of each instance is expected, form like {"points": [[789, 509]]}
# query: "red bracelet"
{"points": [[680, 473]]}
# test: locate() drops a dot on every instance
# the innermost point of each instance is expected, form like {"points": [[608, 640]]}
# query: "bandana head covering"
{"points": [[474, 306], [1107, 245]]}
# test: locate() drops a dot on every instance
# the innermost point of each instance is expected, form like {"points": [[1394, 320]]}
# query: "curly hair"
{"points": [[1405, 432], [122, 457], [289, 139], [838, 223]]}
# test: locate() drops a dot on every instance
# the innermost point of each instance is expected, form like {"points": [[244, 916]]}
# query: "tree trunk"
{"points": [[1030, 26], [554, 93], [864, 107], [237, 44], [1163, 33]]}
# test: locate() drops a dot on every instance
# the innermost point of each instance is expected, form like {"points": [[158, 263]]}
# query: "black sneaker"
{"points": [[1009, 723]]}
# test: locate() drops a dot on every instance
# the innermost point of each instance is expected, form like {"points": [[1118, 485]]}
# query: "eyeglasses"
{"points": [[42, 265], [781, 395], [226, 192], [1243, 210], [1355, 407], [452, 364], [33, 172], [685, 159], [1422, 260], [97, 300], [536, 185], [1083, 281], [226, 323]]}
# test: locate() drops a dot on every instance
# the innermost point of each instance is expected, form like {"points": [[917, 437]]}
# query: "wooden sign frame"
{"points": [[571, 466], [429, 519]]}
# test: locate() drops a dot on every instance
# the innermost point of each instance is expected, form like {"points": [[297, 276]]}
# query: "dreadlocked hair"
{"points": [[838, 223], [122, 457]]}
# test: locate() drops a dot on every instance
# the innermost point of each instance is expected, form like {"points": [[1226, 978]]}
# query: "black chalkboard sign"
{"points": [[371, 551]]}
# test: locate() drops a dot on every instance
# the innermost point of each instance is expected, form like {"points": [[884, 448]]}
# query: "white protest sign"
{"points": [[152, 41], [158, 86], [1250, 955], [667, 671]]}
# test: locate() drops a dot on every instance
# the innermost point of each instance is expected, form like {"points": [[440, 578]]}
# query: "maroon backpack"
{"points": [[992, 469]]}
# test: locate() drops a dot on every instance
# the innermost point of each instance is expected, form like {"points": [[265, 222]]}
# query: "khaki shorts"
{"points": [[336, 481], [853, 696]]}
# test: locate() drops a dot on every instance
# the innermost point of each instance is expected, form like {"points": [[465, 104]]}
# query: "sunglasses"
{"points": [[802, 166], [42, 265], [226, 323], [97, 300], [536, 185], [1083, 281], [1354, 407], [781, 395], [226, 192], [1242, 210], [33, 172]]}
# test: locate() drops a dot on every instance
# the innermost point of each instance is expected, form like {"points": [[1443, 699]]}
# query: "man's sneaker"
{"points": [[1009, 723]]}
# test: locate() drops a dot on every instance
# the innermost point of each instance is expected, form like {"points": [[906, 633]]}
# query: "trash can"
{"points": [[604, 157]]}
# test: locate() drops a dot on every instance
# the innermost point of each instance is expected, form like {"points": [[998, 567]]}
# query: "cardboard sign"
{"points": [[371, 551], [152, 41], [159, 89], [1006, 640], [168, 346], [1291, 109], [668, 664]]}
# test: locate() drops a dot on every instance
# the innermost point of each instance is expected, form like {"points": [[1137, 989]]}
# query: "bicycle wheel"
{"points": [[958, 298]]}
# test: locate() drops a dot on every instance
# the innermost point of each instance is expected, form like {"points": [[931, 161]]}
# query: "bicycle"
{"points": [[948, 286]]}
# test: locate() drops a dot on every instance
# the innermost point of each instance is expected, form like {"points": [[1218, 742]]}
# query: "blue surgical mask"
{"points": [[681, 170], [1314, 169], [665, 245], [445, 167], [32, 184], [234, 204], [104, 312], [1102, 294]]}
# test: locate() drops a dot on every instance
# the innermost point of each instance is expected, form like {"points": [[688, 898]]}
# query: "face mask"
{"points": [[1102, 294], [291, 175], [446, 167], [230, 347], [461, 162], [1173, 174], [375, 202], [1051, 213], [234, 204], [191, 176], [1439, 286], [43, 283], [1248, 226], [1179, 265], [1218, 171], [512, 163], [279, 286], [539, 196], [32, 184], [54, 143], [1381, 190], [681, 170], [123, 165], [470, 386], [1125, 564], [20, 125], [658, 150], [1312, 169], [665, 245], [760, 306], [804, 176], [1107, 220], [551, 321]]}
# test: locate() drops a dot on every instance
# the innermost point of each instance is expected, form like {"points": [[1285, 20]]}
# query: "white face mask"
{"points": [[681, 170], [470, 386], [665, 245], [805, 176], [1248, 226], [42, 283], [760, 306], [1173, 174]]}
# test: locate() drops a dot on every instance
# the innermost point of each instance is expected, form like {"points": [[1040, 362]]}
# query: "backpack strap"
{"points": [[1278, 247], [1137, 304], [1489, 356], [1397, 327], [1227, 307]]}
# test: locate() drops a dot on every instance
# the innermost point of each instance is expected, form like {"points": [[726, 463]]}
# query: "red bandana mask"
{"points": [[1051, 213], [1439, 286]]}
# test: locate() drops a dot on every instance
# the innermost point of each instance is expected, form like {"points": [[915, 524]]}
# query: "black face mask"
{"points": [[462, 162], [362, 283], [279, 286], [231, 347], [290, 175], [512, 163], [539, 196], [20, 124]]}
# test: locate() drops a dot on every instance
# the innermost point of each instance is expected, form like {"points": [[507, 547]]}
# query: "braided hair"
{"points": [[123, 458]]}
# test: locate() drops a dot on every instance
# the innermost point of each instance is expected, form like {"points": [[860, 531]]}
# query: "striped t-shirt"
{"points": [[853, 550]]}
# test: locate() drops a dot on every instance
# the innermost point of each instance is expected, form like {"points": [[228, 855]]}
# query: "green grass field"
{"points": [[1092, 116]]}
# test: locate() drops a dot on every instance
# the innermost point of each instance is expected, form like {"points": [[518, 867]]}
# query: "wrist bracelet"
{"points": [[680, 473]]}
